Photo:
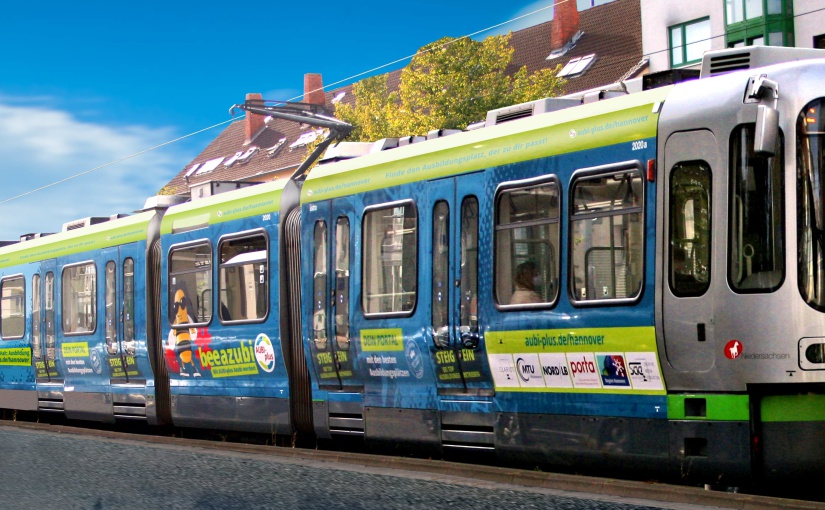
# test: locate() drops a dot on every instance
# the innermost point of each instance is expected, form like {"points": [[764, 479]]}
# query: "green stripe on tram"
{"points": [[716, 407], [621, 120], [793, 408]]}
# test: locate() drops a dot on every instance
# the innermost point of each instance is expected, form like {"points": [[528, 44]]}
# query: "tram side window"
{"points": [[607, 236], [243, 278], [319, 286], [37, 348], [13, 316], [757, 246], [190, 284], [111, 298], [129, 306], [342, 271], [389, 277], [527, 244], [690, 228], [79, 298], [810, 199]]}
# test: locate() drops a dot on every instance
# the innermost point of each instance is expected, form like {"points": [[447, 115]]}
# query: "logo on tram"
{"points": [[733, 349]]}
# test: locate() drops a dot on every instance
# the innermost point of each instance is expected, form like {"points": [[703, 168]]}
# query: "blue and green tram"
{"points": [[75, 322], [627, 281]]}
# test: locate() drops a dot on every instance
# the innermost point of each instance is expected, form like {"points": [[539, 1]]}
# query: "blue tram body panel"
{"points": [[219, 268], [77, 366]]}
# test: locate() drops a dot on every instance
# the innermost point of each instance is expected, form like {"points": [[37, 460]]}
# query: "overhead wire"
{"points": [[345, 80]]}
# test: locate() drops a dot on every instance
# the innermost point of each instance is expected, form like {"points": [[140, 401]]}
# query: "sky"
{"points": [[88, 87]]}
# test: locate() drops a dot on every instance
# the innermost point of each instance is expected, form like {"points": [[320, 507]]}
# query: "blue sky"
{"points": [[86, 83]]}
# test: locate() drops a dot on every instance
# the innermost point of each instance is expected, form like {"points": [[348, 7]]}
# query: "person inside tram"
{"points": [[526, 280]]}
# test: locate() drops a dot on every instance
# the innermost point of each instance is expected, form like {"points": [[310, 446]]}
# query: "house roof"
{"points": [[616, 53]]}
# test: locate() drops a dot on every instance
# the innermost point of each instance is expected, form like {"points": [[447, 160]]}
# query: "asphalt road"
{"points": [[43, 467]]}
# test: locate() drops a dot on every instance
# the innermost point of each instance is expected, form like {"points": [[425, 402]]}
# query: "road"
{"points": [[44, 467]]}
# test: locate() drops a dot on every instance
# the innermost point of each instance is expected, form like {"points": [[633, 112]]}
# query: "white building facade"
{"points": [[676, 34]]}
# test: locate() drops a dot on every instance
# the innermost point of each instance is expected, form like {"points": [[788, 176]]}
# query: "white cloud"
{"points": [[40, 145]]}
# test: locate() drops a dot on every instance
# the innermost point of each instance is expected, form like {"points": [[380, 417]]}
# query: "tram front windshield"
{"points": [[810, 153]]}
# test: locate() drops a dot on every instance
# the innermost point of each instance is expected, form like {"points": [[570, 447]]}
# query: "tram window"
{"points": [[37, 331], [607, 236], [342, 271], [389, 277], [527, 244], [49, 309], [243, 278], [111, 299], [441, 274], [757, 246], [129, 306], [810, 199], [690, 228], [469, 269], [79, 298], [190, 285], [13, 316], [319, 286]]}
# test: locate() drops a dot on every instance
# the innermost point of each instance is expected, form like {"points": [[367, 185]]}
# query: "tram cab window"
{"points": [[243, 278], [190, 284], [389, 269], [690, 228], [810, 198], [527, 244], [79, 298], [13, 316], [607, 236], [757, 246]]}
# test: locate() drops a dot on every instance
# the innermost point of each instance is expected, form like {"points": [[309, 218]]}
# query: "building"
{"points": [[586, 43], [677, 34]]}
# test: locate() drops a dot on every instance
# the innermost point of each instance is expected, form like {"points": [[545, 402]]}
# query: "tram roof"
{"points": [[232, 205], [623, 119], [96, 237]]}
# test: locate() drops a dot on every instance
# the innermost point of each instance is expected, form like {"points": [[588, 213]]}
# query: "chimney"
{"points": [[565, 24], [314, 89], [253, 122]]}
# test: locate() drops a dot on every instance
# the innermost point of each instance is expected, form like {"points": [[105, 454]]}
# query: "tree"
{"points": [[449, 84]]}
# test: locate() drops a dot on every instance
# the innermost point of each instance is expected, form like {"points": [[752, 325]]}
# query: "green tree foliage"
{"points": [[449, 84]]}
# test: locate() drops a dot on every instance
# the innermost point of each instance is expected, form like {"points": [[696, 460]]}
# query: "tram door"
{"points": [[693, 177], [457, 345], [119, 320], [332, 345], [44, 354]]}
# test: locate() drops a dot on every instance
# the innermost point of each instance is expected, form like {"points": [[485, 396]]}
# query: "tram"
{"points": [[628, 281]]}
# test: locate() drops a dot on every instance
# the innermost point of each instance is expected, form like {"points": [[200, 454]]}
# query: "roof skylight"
{"points": [[210, 165], [577, 66]]}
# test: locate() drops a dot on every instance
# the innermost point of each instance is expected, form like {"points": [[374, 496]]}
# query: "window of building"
{"points": [[758, 22], [819, 41], [389, 269], [756, 253], [690, 228], [79, 298], [527, 243], [689, 41], [607, 236], [190, 284], [243, 278], [12, 308]]}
